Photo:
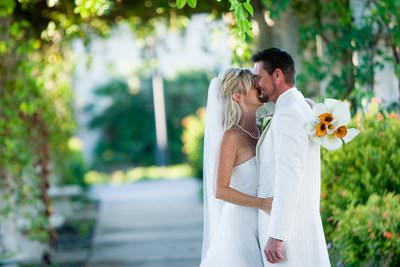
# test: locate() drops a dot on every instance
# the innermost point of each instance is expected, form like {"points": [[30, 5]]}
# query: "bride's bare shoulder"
{"points": [[232, 135]]}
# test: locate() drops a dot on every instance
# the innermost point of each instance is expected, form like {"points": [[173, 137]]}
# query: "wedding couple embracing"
{"points": [[261, 184]]}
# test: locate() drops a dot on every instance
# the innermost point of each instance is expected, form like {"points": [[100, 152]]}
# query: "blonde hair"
{"points": [[234, 80]]}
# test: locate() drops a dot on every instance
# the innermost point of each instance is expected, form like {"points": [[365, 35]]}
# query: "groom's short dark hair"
{"points": [[274, 58]]}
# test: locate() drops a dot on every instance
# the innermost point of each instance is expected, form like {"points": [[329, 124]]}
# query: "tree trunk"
{"points": [[264, 39]]}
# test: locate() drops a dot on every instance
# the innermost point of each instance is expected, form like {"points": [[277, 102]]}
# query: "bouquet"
{"points": [[329, 127], [264, 115]]}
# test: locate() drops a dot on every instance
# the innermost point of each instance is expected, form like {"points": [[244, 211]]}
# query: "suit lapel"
{"points": [[282, 100], [264, 133]]}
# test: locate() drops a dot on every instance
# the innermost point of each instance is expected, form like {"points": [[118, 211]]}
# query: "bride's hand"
{"points": [[267, 205]]}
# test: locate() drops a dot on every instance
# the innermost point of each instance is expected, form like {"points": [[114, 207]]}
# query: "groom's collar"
{"points": [[285, 95]]}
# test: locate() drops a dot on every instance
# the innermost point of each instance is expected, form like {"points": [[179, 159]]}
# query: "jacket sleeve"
{"points": [[291, 144]]}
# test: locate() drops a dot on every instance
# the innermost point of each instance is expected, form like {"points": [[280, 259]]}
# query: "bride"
{"points": [[230, 176]]}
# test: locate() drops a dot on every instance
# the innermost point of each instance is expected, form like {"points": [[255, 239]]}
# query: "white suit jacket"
{"points": [[289, 171]]}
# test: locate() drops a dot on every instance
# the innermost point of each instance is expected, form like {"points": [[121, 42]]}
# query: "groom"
{"points": [[289, 170]]}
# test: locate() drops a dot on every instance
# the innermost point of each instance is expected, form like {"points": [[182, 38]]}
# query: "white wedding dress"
{"points": [[235, 243]]}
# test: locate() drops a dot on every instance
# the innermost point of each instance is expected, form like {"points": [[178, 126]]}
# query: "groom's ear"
{"points": [[278, 73], [279, 76]]}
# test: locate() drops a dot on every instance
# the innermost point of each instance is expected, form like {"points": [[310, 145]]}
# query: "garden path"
{"points": [[148, 224]]}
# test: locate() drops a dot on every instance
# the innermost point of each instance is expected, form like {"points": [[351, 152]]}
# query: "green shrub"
{"points": [[72, 168], [193, 138], [184, 95], [367, 165], [127, 125], [368, 235]]}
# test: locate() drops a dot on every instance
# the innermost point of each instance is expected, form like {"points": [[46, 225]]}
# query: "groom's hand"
{"points": [[274, 250]]}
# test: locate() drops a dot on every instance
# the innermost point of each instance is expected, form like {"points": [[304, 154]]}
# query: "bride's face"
{"points": [[251, 98]]}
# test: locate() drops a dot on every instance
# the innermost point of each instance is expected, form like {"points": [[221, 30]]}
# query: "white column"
{"points": [[160, 119]]}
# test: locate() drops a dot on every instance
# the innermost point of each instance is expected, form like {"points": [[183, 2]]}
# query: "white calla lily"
{"points": [[329, 127], [310, 128], [341, 112], [332, 127], [351, 133], [331, 103], [319, 109], [316, 139], [330, 142]]}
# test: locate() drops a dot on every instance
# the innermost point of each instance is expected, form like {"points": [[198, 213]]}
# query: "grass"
{"points": [[139, 173], [5, 256]]}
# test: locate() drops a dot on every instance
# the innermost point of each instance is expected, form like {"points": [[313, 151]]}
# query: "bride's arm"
{"points": [[229, 149]]}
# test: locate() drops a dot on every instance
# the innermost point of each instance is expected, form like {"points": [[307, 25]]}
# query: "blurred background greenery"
{"points": [[344, 49], [122, 142]]}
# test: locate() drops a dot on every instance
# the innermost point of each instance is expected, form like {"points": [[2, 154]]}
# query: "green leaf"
{"points": [[7, 7], [249, 8], [242, 21], [180, 3], [192, 3], [234, 5], [3, 47], [27, 108]]}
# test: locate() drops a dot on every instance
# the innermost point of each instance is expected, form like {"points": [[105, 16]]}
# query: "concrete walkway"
{"points": [[149, 224]]}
